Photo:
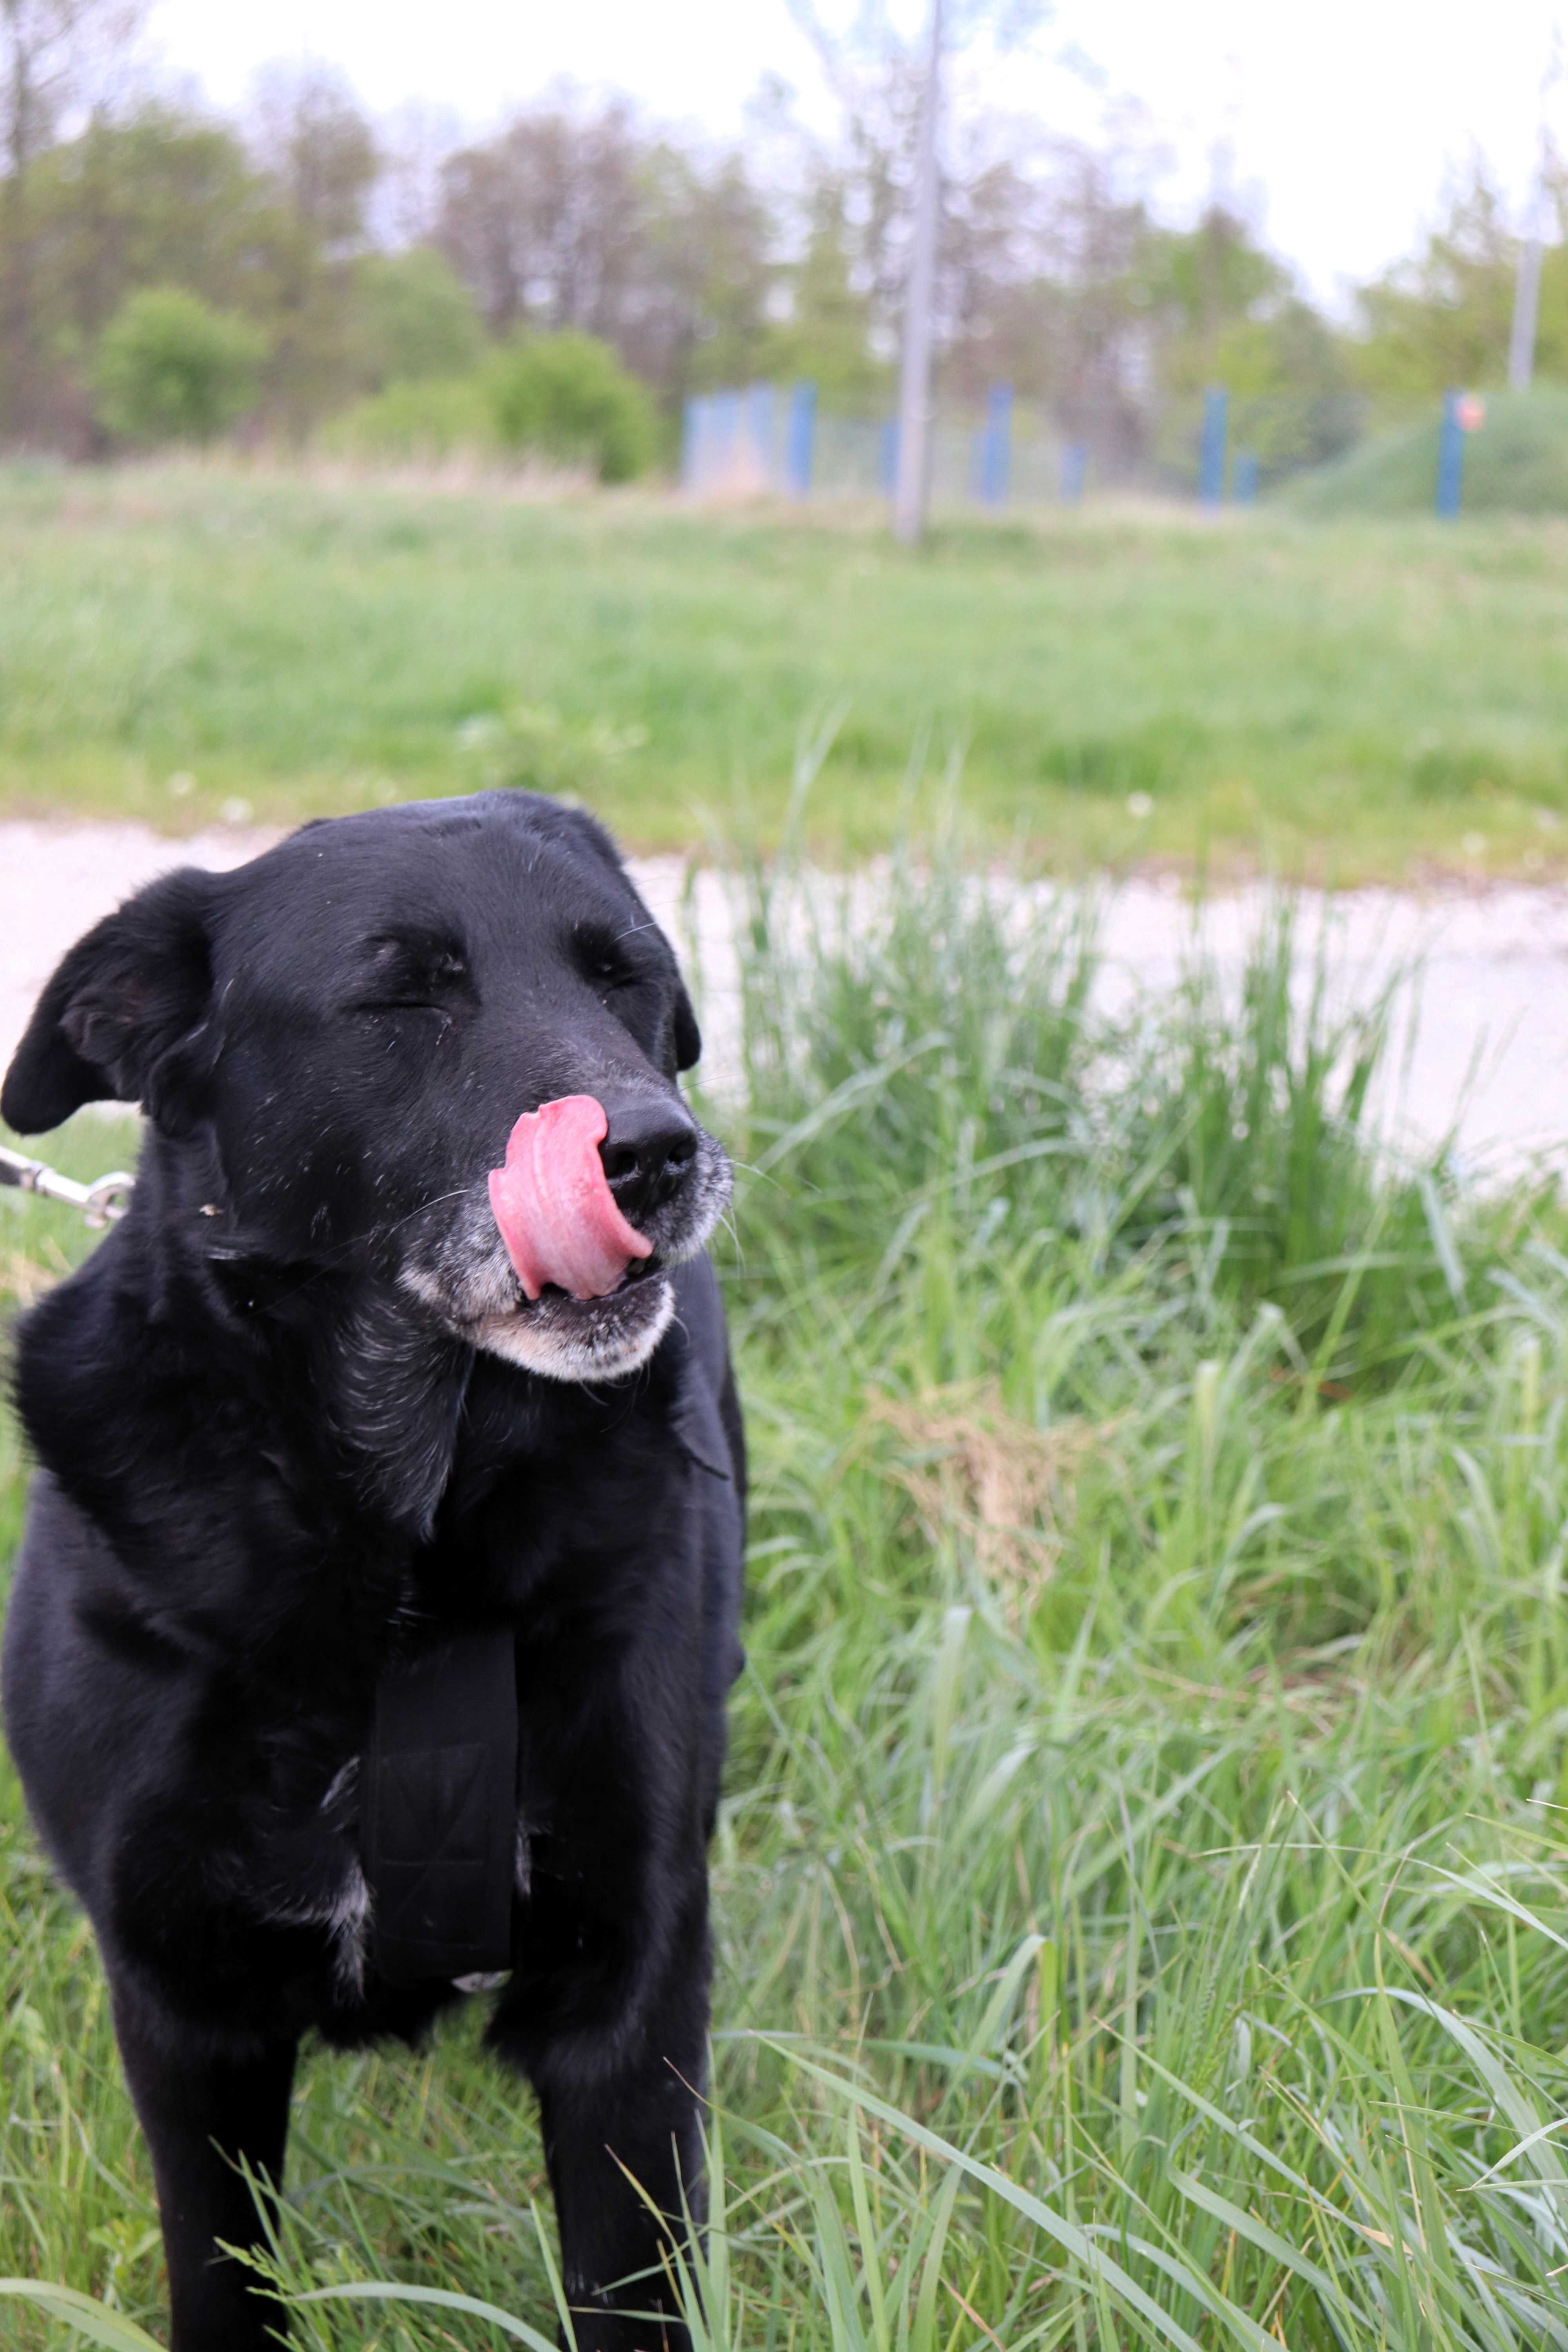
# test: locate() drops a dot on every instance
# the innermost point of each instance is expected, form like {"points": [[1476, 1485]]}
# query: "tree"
{"points": [[1047, 255], [160, 197], [698, 312], [319, 157], [170, 367], [543, 221], [1442, 316], [583, 220], [49, 50], [411, 319], [828, 335], [952, 24], [1201, 284]]}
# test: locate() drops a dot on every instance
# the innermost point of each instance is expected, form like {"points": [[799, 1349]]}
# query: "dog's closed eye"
{"points": [[605, 958], [413, 972]]}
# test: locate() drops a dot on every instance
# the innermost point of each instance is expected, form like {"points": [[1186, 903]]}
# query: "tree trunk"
{"points": [[18, 362], [914, 376]]}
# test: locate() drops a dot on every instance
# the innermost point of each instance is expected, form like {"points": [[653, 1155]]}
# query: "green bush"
{"points": [[170, 367], [568, 398], [421, 424]]}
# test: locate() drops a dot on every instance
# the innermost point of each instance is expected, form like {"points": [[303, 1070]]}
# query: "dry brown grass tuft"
{"points": [[971, 1467]]}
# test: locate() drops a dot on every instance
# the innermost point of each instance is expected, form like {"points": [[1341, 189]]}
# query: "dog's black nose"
{"points": [[648, 1148]]}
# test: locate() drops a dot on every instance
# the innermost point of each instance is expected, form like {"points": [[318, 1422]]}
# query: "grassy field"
{"points": [[1141, 1889], [1344, 700]]}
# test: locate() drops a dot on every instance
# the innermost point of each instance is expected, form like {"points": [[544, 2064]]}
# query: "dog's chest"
{"points": [[544, 1574]]}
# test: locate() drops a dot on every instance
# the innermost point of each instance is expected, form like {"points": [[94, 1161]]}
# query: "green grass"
{"points": [[1365, 698], [1140, 1890], [1517, 464]]}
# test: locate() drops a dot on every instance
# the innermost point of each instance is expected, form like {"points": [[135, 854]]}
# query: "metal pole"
{"points": [[1527, 282], [1526, 302], [1526, 306], [914, 374]]}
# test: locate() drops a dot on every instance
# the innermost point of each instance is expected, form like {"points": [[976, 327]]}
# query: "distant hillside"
{"points": [[1517, 464]]}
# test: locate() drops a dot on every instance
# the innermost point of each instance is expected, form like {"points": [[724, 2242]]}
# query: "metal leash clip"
{"points": [[100, 1202]]}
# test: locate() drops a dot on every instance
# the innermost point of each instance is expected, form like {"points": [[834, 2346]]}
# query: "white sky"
{"points": [[1343, 116]]}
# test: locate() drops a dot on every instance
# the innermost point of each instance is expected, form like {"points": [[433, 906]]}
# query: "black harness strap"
{"points": [[439, 1815]]}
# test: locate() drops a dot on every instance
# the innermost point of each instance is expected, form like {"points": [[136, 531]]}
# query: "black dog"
{"points": [[312, 1459]]}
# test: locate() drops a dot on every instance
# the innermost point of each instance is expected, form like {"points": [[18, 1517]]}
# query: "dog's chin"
{"points": [[468, 1283], [581, 1339]]}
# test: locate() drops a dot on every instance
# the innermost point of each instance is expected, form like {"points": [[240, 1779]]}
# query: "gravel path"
{"points": [[1489, 1049]]}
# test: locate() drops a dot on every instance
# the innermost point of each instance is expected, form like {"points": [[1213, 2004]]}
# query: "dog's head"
{"points": [[337, 1041]]}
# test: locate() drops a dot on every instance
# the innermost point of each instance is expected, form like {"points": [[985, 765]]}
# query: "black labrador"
{"points": [[310, 1459]]}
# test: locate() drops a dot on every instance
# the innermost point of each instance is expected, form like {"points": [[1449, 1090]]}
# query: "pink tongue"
{"points": [[557, 1214]]}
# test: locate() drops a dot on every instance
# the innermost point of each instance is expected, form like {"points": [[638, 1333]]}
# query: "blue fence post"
{"points": [[719, 440], [799, 431], [1211, 449], [996, 449], [887, 455], [1244, 477], [1450, 457], [759, 430], [690, 442], [1074, 472]]}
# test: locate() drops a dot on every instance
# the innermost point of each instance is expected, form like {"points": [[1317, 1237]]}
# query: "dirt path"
{"points": [[1490, 1048]]}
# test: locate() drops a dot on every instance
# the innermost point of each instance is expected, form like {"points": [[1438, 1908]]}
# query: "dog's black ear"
{"points": [[118, 1003], [688, 1037]]}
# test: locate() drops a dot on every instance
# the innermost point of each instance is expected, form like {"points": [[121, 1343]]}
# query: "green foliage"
{"points": [[162, 197], [170, 367], [1443, 317], [320, 162], [1290, 351], [566, 397], [1517, 464], [429, 422], [1139, 1913], [573, 218], [1208, 286], [713, 233], [412, 320], [828, 336]]}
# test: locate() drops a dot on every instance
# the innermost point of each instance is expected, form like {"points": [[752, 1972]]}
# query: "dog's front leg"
{"points": [[624, 2144], [207, 2118]]}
